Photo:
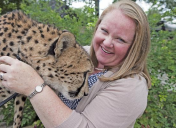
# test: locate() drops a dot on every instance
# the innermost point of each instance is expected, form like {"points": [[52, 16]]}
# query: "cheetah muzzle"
{"points": [[54, 54]]}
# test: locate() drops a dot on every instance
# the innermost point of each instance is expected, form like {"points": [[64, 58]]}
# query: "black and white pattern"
{"points": [[72, 104]]}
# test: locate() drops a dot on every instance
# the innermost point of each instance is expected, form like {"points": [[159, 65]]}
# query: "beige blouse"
{"points": [[114, 104]]}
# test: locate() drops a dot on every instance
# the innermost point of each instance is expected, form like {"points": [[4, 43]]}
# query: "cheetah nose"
{"points": [[73, 93], [85, 94]]}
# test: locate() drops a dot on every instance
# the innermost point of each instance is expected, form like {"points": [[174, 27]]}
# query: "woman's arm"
{"points": [[50, 109], [23, 79]]}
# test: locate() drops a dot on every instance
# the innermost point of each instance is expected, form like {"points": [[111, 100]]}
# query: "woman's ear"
{"points": [[65, 41]]}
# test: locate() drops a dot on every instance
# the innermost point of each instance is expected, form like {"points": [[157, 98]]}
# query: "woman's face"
{"points": [[113, 38]]}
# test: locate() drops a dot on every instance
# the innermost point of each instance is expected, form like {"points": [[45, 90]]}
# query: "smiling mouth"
{"points": [[106, 51]]}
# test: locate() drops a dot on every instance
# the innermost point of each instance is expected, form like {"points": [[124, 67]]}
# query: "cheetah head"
{"points": [[65, 66]]}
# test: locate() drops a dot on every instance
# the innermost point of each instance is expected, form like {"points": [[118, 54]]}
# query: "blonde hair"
{"points": [[135, 61]]}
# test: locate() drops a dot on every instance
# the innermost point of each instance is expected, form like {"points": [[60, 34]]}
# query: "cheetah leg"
{"points": [[19, 106]]}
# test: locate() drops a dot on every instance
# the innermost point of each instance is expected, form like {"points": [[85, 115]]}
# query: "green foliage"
{"points": [[8, 112], [169, 4], [9, 5], [38, 124], [161, 109], [78, 21], [29, 114]]}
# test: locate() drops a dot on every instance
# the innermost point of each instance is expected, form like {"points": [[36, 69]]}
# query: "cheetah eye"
{"points": [[52, 47]]}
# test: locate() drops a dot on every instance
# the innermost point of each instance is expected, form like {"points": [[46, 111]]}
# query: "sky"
{"points": [[106, 3]]}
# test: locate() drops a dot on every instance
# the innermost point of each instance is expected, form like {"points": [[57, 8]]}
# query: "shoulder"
{"points": [[132, 91], [129, 82], [130, 85], [133, 80]]}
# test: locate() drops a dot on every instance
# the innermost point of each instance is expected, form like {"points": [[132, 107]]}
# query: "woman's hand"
{"points": [[18, 76]]}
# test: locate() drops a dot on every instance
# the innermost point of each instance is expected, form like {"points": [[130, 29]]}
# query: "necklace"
{"points": [[99, 69]]}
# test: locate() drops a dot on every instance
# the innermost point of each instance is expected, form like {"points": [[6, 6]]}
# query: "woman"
{"points": [[119, 50]]}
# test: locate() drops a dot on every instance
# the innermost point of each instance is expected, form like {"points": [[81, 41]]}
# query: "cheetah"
{"points": [[54, 54]]}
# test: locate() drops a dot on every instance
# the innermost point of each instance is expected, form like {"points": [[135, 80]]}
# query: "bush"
{"points": [[29, 114], [161, 109], [78, 21]]}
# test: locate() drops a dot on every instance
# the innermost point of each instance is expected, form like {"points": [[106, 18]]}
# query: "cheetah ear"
{"points": [[65, 41]]}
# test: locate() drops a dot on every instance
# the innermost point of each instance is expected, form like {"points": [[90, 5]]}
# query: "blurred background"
{"points": [[80, 16]]}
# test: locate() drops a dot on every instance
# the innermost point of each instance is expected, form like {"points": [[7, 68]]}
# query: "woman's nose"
{"points": [[108, 42]]}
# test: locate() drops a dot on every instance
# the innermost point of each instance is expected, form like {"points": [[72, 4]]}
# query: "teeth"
{"points": [[105, 50]]}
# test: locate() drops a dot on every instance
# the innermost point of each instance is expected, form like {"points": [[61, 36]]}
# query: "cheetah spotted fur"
{"points": [[54, 54]]}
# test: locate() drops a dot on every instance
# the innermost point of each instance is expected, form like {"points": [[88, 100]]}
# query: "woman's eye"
{"points": [[104, 30], [120, 40]]}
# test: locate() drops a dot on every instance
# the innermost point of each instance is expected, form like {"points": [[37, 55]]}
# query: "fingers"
{"points": [[7, 60], [5, 84], [6, 63], [4, 68]]}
